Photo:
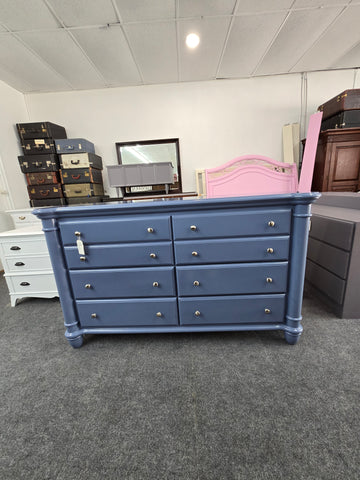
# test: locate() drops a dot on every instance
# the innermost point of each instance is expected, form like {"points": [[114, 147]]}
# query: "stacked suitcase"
{"points": [[342, 111], [40, 163], [80, 171]]}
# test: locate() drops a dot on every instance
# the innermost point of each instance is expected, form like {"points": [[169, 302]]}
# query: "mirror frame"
{"points": [[172, 189]]}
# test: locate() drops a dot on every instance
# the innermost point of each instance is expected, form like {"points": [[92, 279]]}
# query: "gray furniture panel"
{"points": [[333, 259]]}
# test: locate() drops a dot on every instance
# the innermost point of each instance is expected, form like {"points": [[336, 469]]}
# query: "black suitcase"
{"points": [[81, 175], [346, 119], [37, 192], [47, 202], [346, 100], [39, 163], [40, 130], [42, 178], [36, 146]]}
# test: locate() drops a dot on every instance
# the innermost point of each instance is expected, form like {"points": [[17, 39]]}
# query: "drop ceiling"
{"points": [[59, 45]]}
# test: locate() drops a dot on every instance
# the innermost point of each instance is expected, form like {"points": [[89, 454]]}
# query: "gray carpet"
{"points": [[187, 406]]}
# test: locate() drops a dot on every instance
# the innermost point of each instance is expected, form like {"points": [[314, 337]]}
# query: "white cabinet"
{"points": [[25, 259]]}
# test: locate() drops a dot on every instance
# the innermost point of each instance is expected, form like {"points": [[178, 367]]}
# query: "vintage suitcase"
{"points": [[80, 160], [38, 146], [44, 202], [346, 119], [39, 163], [77, 200], [42, 178], [37, 192], [83, 190], [347, 100], [81, 175], [40, 130], [74, 145]]}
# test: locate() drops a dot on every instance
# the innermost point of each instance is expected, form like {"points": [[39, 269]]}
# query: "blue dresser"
{"points": [[226, 264]]}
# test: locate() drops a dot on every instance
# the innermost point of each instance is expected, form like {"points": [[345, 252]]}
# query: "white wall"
{"points": [[215, 121], [12, 111]]}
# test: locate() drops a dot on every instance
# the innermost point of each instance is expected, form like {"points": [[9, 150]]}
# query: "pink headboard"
{"points": [[259, 175]]}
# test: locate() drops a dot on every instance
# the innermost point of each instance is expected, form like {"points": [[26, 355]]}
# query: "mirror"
{"points": [[147, 152]]}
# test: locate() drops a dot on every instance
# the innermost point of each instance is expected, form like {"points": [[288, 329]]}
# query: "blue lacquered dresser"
{"points": [[226, 264]]}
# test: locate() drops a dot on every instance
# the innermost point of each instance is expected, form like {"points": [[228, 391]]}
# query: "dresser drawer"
{"points": [[234, 279], [120, 255], [328, 283], [30, 283], [22, 218], [237, 223], [332, 258], [27, 263], [17, 247], [255, 249], [115, 230], [128, 313], [123, 282], [232, 309]]}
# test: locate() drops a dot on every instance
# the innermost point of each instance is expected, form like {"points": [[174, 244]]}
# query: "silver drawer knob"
{"points": [[269, 280], [196, 283], [271, 223], [193, 228], [197, 313], [153, 255], [150, 230], [78, 234], [88, 285], [93, 315], [270, 250], [83, 259], [155, 284], [194, 254], [159, 314], [267, 310]]}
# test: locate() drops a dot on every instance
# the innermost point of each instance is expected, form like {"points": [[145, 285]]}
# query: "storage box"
{"points": [[81, 175], [40, 130], [83, 190], [42, 178], [80, 160], [44, 202], [39, 163], [74, 145], [38, 146]]}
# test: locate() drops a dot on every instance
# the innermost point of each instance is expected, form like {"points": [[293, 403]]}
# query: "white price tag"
{"points": [[80, 247]]}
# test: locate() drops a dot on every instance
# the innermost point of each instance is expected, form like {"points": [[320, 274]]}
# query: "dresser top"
{"points": [[31, 230], [170, 205]]}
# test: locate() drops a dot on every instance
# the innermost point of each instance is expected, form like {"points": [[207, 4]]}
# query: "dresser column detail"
{"points": [[299, 235], [53, 239]]}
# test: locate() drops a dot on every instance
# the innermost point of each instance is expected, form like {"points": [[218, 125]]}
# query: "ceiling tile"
{"points": [[14, 81], [60, 51], [202, 62], [299, 32], [20, 62], [189, 8], [26, 15], [140, 10], [249, 6], [154, 49], [2, 29], [110, 53], [246, 46], [350, 59], [342, 35], [319, 3], [84, 12]]}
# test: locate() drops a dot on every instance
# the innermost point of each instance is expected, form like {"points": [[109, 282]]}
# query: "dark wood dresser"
{"points": [[337, 164]]}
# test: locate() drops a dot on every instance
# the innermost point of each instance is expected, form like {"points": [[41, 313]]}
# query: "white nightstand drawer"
{"points": [[19, 247], [23, 218], [31, 283], [23, 263]]}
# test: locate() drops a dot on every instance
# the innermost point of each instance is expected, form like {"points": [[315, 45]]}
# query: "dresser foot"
{"points": [[292, 338], [76, 342]]}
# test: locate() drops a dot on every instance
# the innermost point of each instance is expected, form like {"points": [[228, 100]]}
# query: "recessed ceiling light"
{"points": [[192, 40]]}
